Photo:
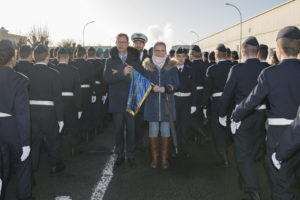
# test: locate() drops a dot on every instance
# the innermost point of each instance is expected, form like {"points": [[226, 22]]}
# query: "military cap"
{"points": [[196, 48], [221, 47], [139, 37], [251, 41], [290, 32], [180, 51]]}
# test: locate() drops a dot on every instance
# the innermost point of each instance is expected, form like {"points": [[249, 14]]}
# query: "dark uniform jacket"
{"points": [[216, 77], [70, 83], [289, 142], [242, 79], [23, 67], [15, 102], [188, 83], [85, 70], [280, 85], [45, 85]]}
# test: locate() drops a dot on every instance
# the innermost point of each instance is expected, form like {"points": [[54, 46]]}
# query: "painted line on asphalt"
{"points": [[107, 175]]}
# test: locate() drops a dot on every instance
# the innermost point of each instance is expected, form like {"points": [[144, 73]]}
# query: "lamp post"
{"points": [[196, 34], [84, 31], [241, 22]]}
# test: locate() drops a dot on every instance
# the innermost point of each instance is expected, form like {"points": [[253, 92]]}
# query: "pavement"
{"points": [[194, 178]]}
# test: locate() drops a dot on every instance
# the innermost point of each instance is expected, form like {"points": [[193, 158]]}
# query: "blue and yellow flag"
{"points": [[140, 87]]}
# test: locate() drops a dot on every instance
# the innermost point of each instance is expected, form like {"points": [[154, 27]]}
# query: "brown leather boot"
{"points": [[154, 152], [165, 141]]}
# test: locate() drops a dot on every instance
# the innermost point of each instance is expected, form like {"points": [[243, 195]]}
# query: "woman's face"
{"points": [[160, 51]]}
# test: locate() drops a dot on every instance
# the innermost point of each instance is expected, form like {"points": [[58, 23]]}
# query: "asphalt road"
{"points": [[194, 178]]}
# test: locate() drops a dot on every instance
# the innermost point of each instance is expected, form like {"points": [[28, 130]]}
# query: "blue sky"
{"points": [[170, 20]]}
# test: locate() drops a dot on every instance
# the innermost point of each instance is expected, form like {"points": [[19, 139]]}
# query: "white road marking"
{"points": [[63, 198], [107, 175]]}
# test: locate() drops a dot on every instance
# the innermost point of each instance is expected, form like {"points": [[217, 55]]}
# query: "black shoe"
{"points": [[131, 162], [119, 161], [59, 168]]}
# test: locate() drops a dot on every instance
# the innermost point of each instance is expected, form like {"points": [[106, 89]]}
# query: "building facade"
{"points": [[264, 26]]}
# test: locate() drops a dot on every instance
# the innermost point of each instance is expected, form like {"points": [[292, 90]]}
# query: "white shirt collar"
{"points": [[41, 63], [180, 67], [63, 63]]}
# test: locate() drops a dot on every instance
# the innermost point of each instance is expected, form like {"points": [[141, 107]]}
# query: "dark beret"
{"points": [[221, 47], [251, 41], [196, 48], [180, 51], [290, 32]]}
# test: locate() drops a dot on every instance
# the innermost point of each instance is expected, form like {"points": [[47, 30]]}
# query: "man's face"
{"points": [[122, 44], [160, 51], [139, 45], [180, 58]]}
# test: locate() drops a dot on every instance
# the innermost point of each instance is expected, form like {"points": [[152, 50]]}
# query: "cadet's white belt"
{"points": [[85, 86], [67, 94], [4, 115], [199, 88], [181, 94], [217, 94], [97, 82], [41, 103], [279, 121], [261, 107]]}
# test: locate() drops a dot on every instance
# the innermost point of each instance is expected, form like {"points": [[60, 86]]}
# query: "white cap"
{"points": [[139, 37]]}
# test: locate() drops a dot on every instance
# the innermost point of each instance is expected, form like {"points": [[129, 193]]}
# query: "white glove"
{"points": [[0, 186], [104, 98], [205, 113], [25, 153], [79, 114], [94, 98], [275, 162], [61, 125], [193, 109], [234, 126], [223, 120]]}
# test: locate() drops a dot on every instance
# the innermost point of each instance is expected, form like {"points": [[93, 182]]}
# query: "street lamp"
{"points": [[241, 22], [197, 35], [84, 31]]}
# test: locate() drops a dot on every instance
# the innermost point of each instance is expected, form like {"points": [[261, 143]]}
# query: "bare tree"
{"points": [[38, 35]]}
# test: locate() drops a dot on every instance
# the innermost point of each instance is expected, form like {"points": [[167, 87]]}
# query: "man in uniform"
{"points": [[25, 64], [199, 71], [87, 81], [241, 80], [234, 57], [71, 97], [171, 53], [117, 75], [185, 100], [279, 85], [14, 124], [46, 109], [205, 59], [212, 58], [97, 107], [216, 77], [263, 54], [139, 40]]}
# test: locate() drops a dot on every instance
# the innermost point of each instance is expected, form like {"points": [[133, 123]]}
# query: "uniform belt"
{"points": [[67, 94], [199, 88], [85, 86], [4, 114], [97, 82], [217, 94], [261, 107], [279, 121], [41, 103], [182, 94]]}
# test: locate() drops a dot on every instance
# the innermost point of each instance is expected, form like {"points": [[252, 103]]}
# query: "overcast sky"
{"points": [[168, 20]]}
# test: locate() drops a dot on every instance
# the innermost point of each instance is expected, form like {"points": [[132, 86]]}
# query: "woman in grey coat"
{"points": [[162, 72]]}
